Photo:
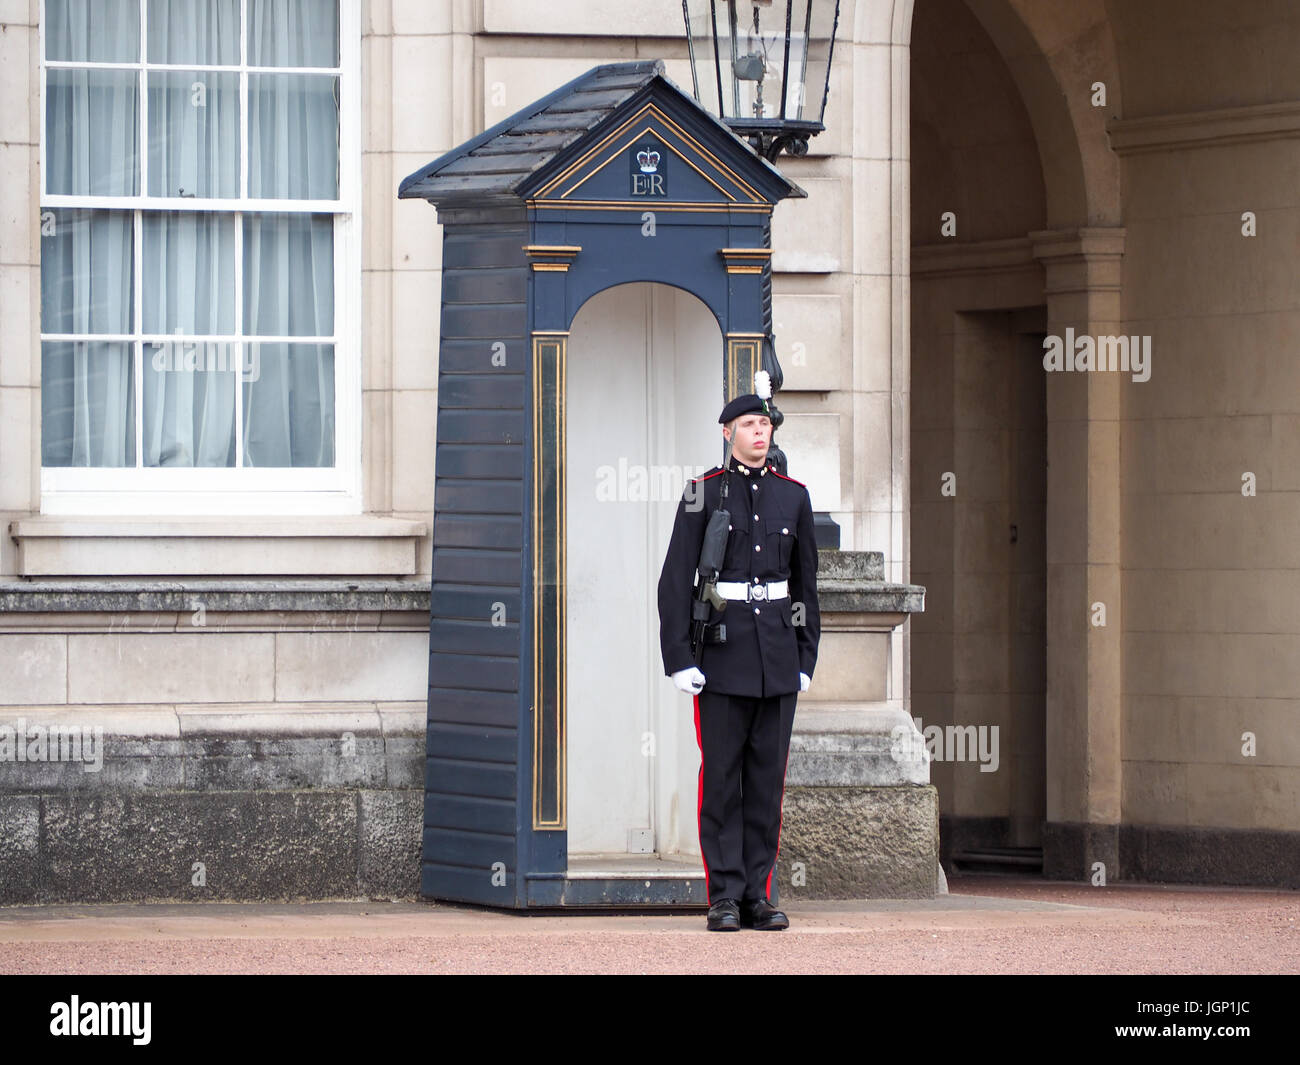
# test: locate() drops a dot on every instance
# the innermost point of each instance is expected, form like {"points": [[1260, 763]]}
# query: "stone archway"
{"points": [[1067, 264]]}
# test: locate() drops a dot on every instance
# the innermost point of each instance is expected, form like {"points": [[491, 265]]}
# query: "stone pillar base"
{"points": [[1072, 850], [859, 842]]}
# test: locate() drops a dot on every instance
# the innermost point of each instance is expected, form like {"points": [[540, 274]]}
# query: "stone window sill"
{"points": [[213, 547]]}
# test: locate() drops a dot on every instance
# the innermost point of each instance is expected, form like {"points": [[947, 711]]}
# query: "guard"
{"points": [[738, 629]]}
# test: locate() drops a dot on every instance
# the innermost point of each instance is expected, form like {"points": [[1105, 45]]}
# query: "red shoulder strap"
{"points": [[785, 478]]}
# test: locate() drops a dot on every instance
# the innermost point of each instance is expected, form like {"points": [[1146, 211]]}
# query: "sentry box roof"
{"points": [[511, 161]]}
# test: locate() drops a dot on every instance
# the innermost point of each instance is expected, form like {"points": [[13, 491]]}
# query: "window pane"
{"points": [[86, 276], [96, 31], [194, 134], [194, 31], [289, 405], [92, 132], [293, 33], [293, 136], [87, 404], [289, 275], [189, 403], [188, 277]]}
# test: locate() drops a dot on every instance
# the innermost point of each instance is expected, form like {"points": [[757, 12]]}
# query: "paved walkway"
{"points": [[986, 925]]}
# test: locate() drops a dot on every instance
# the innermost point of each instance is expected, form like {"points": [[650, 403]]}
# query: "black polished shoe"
{"points": [[724, 916], [761, 915]]}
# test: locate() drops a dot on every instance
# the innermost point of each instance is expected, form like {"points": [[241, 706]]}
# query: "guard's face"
{"points": [[750, 440]]}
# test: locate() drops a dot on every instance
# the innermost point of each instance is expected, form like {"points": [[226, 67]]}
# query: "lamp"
{"points": [[763, 67]]}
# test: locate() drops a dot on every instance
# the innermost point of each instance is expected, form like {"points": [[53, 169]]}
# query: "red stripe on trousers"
{"points": [[767, 886], [699, 796]]}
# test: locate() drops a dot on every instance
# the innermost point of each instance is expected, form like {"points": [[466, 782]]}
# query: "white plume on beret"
{"points": [[763, 385]]}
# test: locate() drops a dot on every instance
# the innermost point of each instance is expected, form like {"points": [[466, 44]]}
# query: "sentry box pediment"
{"points": [[564, 149], [616, 178]]}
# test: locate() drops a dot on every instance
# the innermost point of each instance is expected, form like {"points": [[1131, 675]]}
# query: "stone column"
{"points": [[1083, 561], [876, 76]]}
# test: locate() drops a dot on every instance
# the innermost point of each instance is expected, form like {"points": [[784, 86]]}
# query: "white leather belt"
{"points": [[747, 592]]}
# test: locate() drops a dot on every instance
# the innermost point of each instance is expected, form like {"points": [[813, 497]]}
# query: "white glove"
{"points": [[804, 682], [690, 680]]}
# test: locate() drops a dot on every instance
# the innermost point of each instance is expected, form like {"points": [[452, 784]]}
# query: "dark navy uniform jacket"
{"points": [[771, 539]]}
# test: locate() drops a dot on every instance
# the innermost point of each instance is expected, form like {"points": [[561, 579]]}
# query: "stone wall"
{"points": [[211, 741], [208, 740]]}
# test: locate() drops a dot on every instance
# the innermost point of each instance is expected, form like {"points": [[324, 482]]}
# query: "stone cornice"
{"points": [[1083, 260], [1086, 242], [1204, 129], [391, 603], [979, 257], [249, 597]]}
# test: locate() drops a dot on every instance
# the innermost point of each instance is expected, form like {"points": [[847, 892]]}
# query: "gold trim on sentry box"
{"points": [[617, 153], [551, 343], [745, 260], [736, 382], [641, 205], [562, 553], [563, 176], [553, 258]]}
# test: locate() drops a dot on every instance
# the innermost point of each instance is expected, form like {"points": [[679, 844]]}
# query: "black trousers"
{"points": [[744, 745]]}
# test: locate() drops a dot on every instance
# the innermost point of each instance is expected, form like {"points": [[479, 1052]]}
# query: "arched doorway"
{"points": [[1015, 236], [642, 396], [978, 444]]}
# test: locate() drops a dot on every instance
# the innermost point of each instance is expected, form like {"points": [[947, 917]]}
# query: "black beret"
{"points": [[750, 404]]}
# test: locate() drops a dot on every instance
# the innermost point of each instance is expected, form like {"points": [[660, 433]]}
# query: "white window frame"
{"points": [[234, 490]]}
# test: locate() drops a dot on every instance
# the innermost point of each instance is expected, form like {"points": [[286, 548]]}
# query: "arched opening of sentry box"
{"points": [[642, 401]]}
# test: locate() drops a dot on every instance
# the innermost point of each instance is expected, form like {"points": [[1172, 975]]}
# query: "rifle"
{"points": [[713, 552]]}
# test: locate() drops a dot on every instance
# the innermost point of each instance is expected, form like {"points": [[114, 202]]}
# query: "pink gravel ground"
{"points": [[986, 925]]}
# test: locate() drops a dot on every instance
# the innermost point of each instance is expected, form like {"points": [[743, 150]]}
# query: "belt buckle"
{"points": [[758, 591]]}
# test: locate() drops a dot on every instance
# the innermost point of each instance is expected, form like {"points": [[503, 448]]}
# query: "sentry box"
{"points": [[606, 287]]}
